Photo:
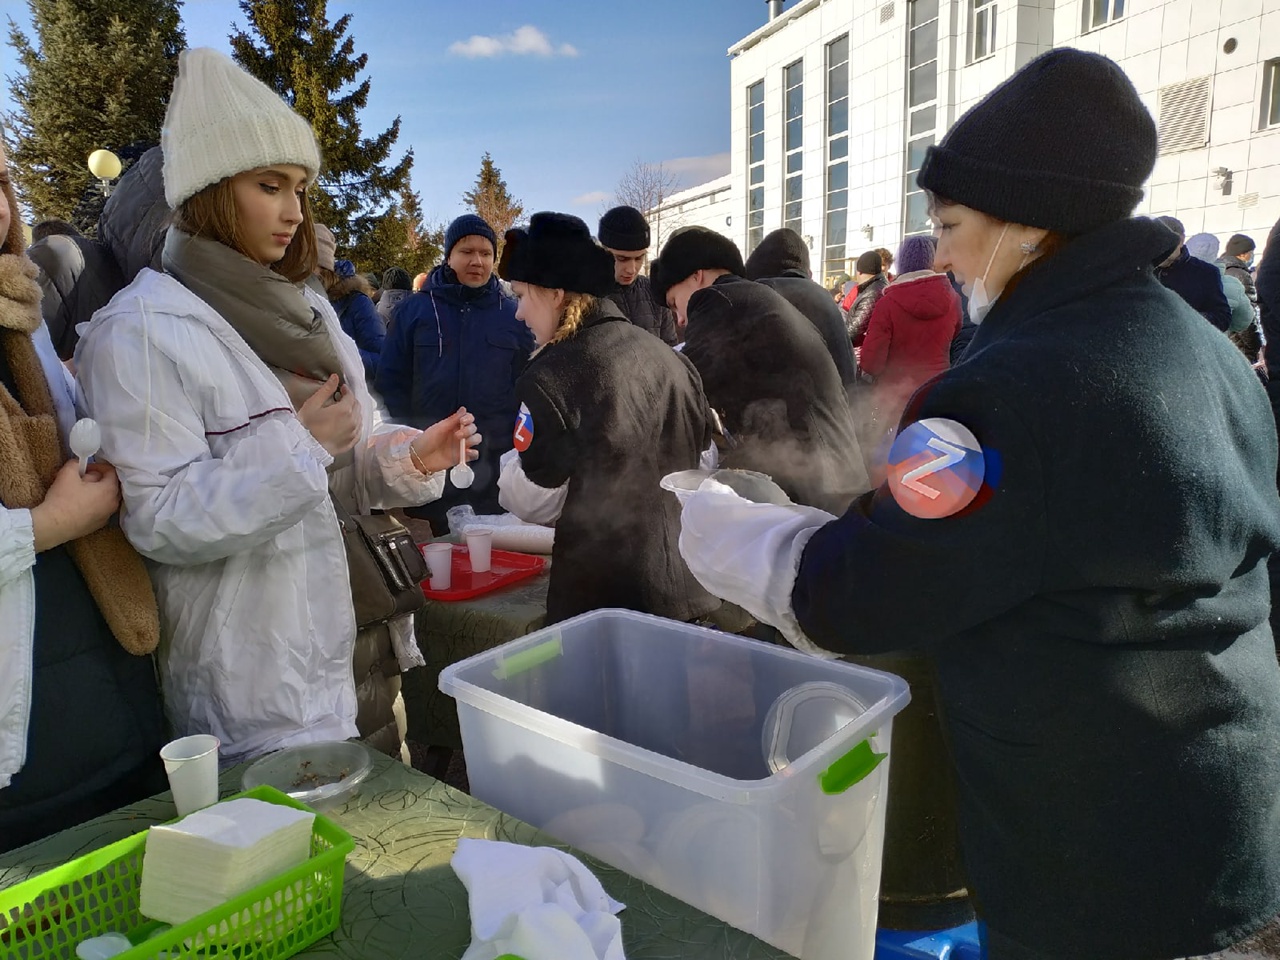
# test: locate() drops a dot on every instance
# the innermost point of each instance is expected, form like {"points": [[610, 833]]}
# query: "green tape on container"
{"points": [[852, 768], [517, 663]]}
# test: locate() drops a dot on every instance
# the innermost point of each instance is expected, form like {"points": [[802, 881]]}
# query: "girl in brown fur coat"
{"points": [[80, 714]]}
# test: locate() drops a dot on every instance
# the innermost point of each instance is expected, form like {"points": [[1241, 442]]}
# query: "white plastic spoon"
{"points": [[462, 475], [85, 441]]}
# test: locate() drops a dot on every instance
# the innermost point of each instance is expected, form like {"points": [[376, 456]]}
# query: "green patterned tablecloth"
{"points": [[453, 631], [401, 899]]}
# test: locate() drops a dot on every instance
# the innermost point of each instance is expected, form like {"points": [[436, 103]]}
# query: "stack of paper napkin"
{"points": [[211, 856]]}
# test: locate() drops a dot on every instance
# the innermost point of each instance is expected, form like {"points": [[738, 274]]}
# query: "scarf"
{"points": [[266, 309], [31, 454]]}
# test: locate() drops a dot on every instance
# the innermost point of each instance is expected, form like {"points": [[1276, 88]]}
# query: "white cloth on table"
{"points": [[535, 902]]}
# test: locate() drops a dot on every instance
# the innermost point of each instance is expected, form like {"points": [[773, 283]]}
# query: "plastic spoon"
{"points": [[462, 475], [85, 441]]}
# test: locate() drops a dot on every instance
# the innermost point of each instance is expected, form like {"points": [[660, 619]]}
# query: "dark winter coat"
{"points": [[816, 305], [1098, 619], [1199, 284], [637, 304], [453, 346], [910, 332], [78, 275], [1268, 291], [769, 376], [859, 313], [614, 410], [1234, 267], [361, 322]]}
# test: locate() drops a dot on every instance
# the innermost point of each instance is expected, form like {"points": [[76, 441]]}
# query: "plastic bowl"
{"points": [[684, 484], [321, 775]]}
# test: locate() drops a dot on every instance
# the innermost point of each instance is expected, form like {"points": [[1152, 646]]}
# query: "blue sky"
{"points": [[565, 96]]}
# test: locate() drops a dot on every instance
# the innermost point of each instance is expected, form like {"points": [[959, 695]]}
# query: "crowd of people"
{"points": [[1099, 615]]}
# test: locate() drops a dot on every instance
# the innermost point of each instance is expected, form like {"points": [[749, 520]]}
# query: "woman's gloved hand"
{"points": [[748, 553]]}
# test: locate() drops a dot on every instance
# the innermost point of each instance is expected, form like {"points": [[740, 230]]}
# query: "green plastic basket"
{"points": [[46, 916]]}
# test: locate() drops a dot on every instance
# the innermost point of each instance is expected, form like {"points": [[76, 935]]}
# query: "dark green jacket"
{"points": [[1099, 616]]}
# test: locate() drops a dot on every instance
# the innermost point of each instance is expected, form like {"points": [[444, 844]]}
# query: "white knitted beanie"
{"points": [[222, 121]]}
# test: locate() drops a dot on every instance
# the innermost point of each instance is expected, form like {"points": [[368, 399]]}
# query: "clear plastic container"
{"points": [[652, 745]]}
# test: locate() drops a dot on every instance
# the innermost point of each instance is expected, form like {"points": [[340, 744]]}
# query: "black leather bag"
{"points": [[386, 566]]}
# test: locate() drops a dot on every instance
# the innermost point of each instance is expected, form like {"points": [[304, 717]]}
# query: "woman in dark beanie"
{"points": [[1094, 595], [606, 410]]}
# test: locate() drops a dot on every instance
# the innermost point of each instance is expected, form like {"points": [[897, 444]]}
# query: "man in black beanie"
{"points": [[869, 274], [765, 370], [781, 262], [1236, 259], [624, 232], [1197, 282]]}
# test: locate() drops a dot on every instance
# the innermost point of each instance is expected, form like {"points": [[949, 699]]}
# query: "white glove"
{"points": [[749, 553]]}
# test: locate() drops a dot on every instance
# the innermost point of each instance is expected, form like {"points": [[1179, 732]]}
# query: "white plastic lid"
{"points": [[805, 716]]}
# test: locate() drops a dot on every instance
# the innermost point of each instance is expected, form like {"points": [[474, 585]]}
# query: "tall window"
{"points": [[1270, 95], [793, 140], [922, 107], [982, 29], [755, 164], [1098, 13], [836, 223]]}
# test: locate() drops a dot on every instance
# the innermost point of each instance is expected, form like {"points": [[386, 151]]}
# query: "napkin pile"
{"points": [[537, 903], [218, 853]]}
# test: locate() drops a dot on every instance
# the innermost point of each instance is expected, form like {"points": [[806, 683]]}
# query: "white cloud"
{"points": [[692, 171], [525, 41], [591, 199]]}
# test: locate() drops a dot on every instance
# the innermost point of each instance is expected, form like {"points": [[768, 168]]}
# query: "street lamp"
{"points": [[106, 166]]}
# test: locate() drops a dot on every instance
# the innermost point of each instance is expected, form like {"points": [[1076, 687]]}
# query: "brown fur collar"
{"points": [[31, 454]]}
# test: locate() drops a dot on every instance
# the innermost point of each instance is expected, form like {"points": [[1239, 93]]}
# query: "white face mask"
{"points": [[979, 302]]}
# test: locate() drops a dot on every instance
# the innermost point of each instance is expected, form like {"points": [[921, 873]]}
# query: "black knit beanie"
{"points": [[1065, 144], [557, 252], [1238, 244], [624, 228], [780, 251], [468, 225], [686, 252], [396, 278], [870, 263]]}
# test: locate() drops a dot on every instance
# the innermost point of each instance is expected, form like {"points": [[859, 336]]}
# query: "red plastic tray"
{"points": [[505, 567]]}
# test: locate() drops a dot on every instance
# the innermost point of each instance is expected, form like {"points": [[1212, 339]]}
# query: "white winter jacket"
{"points": [[18, 588], [226, 491]]}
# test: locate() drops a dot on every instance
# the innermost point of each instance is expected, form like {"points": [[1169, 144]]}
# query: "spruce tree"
{"points": [[292, 47], [98, 75], [491, 200], [399, 239]]}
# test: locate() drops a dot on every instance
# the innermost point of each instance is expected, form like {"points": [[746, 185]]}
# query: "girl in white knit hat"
{"points": [[232, 405]]}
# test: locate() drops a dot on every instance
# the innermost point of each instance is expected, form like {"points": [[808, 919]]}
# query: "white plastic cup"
{"points": [[192, 766], [440, 560], [480, 548]]}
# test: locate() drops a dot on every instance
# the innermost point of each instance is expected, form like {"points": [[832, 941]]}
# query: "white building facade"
{"points": [[707, 205], [836, 101]]}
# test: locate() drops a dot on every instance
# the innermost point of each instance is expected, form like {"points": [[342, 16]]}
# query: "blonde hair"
{"points": [[211, 213], [576, 308]]}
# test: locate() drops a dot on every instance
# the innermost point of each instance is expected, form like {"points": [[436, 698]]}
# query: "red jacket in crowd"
{"points": [[910, 331]]}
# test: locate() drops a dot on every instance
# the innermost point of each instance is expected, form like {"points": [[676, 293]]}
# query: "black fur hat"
{"points": [[686, 252], [557, 251]]}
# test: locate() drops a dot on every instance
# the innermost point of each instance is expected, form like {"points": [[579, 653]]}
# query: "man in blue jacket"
{"points": [[455, 343], [1197, 282]]}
